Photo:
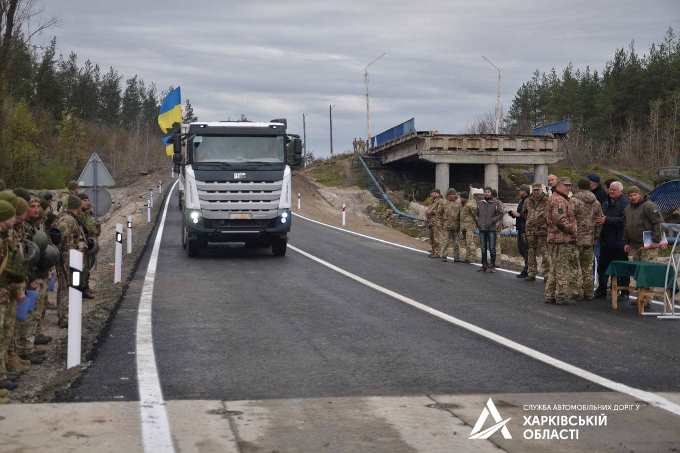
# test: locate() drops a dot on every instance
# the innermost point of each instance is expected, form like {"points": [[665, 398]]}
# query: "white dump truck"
{"points": [[235, 183]]}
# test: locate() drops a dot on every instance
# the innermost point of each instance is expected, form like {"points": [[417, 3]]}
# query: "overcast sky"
{"points": [[272, 59]]}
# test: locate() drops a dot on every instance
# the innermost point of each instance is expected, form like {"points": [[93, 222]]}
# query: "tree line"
{"points": [[55, 110], [629, 111]]}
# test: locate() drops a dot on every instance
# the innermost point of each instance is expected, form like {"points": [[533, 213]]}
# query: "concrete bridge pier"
{"points": [[541, 173], [491, 176], [442, 177]]}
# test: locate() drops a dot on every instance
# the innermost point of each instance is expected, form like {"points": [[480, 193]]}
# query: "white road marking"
{"points": [[651, 398], [413, 249], [154, 417]]}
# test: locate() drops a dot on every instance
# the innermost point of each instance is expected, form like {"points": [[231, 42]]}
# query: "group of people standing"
{"points": [[35, 239], [567, 228]]}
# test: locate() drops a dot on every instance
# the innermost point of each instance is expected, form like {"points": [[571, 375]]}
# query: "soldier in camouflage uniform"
{"points": [[73, 237], [71, 189], [586, 210], [435, 216], [468, 224], [562, 284], [37, 281], [451, 225], [91, 229], [7, 213], [536, 228], [642, 215]]}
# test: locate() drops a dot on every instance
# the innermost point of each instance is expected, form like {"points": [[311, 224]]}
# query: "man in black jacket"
{"points": [[597, 189], [520, 223], [611, 237]]}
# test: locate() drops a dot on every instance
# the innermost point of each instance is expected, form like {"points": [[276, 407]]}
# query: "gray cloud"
{"points": [[269, 59]]}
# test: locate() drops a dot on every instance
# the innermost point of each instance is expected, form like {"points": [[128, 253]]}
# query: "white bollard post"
{"points": [[129, 235], [151, 197], [172, 172], [148, 211], [344, 214], [160, 187], [75, 308], [299, 201], [118, 262]]}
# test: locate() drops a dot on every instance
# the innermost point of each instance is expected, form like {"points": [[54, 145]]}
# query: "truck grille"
{"points": [[220, 199]]}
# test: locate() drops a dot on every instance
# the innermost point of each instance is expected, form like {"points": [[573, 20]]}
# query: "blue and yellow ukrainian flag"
{"points": [[171, 110]]}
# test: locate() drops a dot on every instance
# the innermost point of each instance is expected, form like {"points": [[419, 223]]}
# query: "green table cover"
{"points": [[645, 273]]}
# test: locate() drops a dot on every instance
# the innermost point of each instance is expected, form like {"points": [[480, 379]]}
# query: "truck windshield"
{"points": [[212, 148]]}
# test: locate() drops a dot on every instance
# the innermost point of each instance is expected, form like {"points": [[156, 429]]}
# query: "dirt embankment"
{"points": [[50, 380]]}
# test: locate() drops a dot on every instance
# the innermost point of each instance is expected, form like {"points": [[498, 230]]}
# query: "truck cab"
{"points": [[235, 183]]}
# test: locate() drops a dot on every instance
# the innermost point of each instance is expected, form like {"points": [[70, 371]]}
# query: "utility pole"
{"points": [[498, 95], [368, 104], [330, 121], [304, 139]]}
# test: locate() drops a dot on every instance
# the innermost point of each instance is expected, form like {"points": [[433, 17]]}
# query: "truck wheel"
{"points": [[193, 248], [279, 246]]}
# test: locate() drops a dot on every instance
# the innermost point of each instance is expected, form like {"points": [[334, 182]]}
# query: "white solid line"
{"points": [[413, 249], [154, 417], [648, 397]]}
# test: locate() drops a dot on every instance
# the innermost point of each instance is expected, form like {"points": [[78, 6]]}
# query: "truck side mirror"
{"points": [[177, 151], [295, 152]]}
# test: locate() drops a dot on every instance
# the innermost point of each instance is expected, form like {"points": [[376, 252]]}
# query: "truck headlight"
{"points": [[284, 217], [195, 215]]}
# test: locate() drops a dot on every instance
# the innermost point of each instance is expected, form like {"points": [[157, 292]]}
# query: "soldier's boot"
{"points": [[41, 339], [35, 357], [62, 323], [88, 294], [7, 385], [15, 363], [4, 393]]}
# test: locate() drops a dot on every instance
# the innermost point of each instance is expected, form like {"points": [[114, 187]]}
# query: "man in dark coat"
{"points": [[597, 189], [520, 223], [611, 236]]}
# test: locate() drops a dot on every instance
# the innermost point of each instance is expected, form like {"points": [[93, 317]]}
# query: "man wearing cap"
{"points": [[562, 284], [597, 189], [612, 245], [586, 210], [535, 210], [36, 223], [520, 226], [7, 213], [451, 225], [435, 218], [552, 182], [642, 215], [73, 237]]}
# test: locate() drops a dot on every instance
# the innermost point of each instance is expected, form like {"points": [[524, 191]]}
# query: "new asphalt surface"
{"points": [[239, 324]]}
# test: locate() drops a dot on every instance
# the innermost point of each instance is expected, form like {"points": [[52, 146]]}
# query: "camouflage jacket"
{"points": [[561, 220], [468, 214], [586, 210], [13, 265], [535, 209], [644, 216], [435, 213], [89, 225], [452, 211], [72, 235]]}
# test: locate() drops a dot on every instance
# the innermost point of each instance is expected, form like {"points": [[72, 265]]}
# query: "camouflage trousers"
{"points": [[470, 245], [586, 256], [26, 330], [435, 236], [562, 285], [449, 237], [11, 320], [62, 295], [642, 254], [538, 247], [4, 330]]}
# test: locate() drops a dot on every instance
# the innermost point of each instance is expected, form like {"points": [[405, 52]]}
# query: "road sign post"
{"points": [[344, 214], [129, 235], [118, 265], [299, 201], [96, 176], [75, 308], [148, 211]]}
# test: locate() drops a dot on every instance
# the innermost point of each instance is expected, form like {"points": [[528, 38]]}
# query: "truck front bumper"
{"points": [[226, 230]]}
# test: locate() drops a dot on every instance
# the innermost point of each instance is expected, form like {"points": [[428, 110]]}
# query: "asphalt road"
{"points": [[237, 324]]}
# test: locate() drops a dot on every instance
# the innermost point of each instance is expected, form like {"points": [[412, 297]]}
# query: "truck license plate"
{"points": [[242, 216]]}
